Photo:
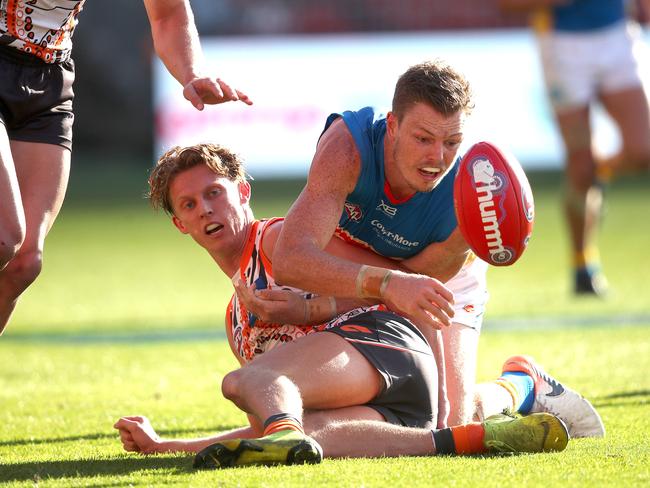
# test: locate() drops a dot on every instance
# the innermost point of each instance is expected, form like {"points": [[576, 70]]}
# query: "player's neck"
{"points": [[229, 259]]}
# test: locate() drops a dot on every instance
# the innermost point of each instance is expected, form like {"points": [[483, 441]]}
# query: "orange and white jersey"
{"points": [[251, 336], [42, 28]]}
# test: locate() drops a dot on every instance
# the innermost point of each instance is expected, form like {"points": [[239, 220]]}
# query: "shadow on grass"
{"points": [[114, 435], [624, 398], [88, 468]]}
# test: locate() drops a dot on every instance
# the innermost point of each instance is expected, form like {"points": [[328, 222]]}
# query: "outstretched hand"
{"points": [[212, 91], [137, 435]]}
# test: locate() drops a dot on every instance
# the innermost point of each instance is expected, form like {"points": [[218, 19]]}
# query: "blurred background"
{"points": [[113, 264]]}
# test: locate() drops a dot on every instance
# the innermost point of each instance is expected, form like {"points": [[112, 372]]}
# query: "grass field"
{"points": [[127, 318]]}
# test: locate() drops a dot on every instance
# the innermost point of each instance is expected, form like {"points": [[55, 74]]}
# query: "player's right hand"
{"points": [[425, 300], [273, 306], [137, 435]]}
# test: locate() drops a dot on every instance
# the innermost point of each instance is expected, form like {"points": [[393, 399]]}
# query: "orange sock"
{"points": [[282, 421], [462, 439], [468, 438]]}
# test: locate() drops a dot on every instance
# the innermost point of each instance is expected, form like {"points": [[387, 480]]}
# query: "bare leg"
{"points": [[361, 432], [42, 171], [582, 204], [282, 380], [461, 346], [629, 109], [12, 215], [490, 399]]}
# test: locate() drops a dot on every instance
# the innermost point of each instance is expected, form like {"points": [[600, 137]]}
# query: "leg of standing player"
{"points": [[630, 111], [41, 172], [583, 200]]}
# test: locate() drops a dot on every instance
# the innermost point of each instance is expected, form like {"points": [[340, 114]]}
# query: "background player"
{"points": [[36, 78], [589, 53]]}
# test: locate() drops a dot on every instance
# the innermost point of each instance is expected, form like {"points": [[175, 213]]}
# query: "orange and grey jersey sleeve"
{"points": [[42, 28]]}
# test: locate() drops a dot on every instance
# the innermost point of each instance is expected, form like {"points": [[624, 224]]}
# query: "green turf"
{"points": [[113, 267], [60, 400]]}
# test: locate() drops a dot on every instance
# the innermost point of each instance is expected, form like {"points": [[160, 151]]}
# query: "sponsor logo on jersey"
{"points": [[353, 211], [387, 209], [393, 236], [488, 183]]}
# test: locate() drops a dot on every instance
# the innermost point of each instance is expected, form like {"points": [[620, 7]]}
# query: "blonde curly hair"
{"points": [[219, 159]]}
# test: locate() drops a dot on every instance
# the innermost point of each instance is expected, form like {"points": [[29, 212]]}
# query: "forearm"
{"points": [[195, 445], [175, 39], [314, 270]]}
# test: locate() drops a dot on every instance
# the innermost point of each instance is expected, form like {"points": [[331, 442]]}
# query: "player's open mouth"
{"points": [[429, 172], [212, 228]]}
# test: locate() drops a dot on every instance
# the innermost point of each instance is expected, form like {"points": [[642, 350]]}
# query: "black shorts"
{"points": [[36, 98], [403, 357]]}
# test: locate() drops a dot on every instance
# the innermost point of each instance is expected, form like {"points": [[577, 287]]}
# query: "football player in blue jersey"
{"points": [[386, 184], [589, 52]]}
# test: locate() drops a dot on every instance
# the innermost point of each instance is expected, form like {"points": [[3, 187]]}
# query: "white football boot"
{"points": [[553, 397]]}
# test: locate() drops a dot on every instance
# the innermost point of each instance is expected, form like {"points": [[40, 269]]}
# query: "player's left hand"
{"points": [[212, 91], [273, 306], [137, 435]]}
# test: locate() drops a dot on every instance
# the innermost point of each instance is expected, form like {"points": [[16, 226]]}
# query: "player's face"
{"points": [[210, 208], [424, 147]]}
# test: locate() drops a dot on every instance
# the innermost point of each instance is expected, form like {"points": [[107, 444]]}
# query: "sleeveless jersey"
{"points": [[372, 217], [580, 15], [252, 336], [42, 28]]}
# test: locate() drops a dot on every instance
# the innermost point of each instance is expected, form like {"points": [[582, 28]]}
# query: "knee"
{"points": [[24, 268], [10, 243], [231, 386]]}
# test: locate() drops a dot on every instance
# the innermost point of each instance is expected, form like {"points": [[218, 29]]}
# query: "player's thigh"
{"points": [[314, 420], [329, 372], [629, 109], [12, 217], [42, 171]]}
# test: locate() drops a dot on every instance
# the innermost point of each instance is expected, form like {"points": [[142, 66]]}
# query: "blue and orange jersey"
{"points": [[373, 218], [42, 28], [580, 15]]}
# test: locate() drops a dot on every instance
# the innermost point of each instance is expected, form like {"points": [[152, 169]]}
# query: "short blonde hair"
{"points": [[219, 159]]}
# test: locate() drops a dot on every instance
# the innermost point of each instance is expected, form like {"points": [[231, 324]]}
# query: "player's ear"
{"points": [[179, 225], [244, 192], [391, 123]]}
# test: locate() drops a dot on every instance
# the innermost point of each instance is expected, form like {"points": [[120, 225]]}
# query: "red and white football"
{"points": [[494, 204]]}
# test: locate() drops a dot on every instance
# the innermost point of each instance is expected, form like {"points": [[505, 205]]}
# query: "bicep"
{"points": [[333, 174]]}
